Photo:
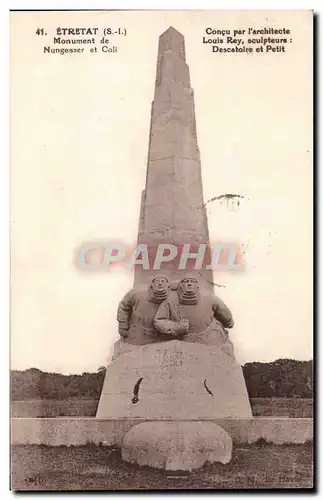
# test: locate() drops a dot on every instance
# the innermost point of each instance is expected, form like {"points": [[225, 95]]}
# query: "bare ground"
{"points": [[91, 467]]}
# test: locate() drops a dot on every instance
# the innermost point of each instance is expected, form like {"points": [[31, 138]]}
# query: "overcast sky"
{"points": [[80, 127]]}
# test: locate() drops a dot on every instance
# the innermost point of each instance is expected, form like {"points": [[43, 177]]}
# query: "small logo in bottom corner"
{"points": [[35, 480]]}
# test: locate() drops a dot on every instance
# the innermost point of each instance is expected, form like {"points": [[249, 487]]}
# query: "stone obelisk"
{"points": [[172, 208]]}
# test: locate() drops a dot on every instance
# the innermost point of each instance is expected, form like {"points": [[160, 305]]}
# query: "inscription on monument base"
{"points": [[174, 379]]}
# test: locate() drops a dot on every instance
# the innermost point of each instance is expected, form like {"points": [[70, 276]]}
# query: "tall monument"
{"points": [[172, 209], [174, 360]]}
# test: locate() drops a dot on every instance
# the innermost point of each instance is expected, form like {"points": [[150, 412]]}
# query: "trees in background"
{"points": [[34, 383], [280, 378]]}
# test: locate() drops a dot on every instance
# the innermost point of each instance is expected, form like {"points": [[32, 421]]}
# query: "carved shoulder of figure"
{"points": [[222, 313], [124, 312]]}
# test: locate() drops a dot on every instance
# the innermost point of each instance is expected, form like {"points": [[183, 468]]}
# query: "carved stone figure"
{"points": [[137, 310], [205, 316]]}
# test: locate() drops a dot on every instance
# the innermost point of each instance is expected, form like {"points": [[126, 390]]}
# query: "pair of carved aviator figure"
{"points": [[161, 311]]}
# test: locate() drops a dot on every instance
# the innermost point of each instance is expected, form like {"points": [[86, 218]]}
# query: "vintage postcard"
{"points": [[161, 250]]}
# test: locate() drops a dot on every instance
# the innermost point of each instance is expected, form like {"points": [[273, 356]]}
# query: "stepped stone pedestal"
{"points": [[175, 380]]}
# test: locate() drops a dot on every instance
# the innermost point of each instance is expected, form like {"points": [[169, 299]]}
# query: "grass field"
{"points": [[97, 468], [81, 407]]}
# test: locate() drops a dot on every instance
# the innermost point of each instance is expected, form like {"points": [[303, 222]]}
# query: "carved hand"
{"points": [[183, 326], [123, 331]]}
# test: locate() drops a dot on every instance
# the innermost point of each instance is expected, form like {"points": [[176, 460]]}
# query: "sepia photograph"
{"points": [[161, 247]]}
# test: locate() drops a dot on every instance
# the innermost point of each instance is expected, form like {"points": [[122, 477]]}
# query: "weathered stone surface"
{"points": [[176, 445], [67, 431], [174, 379]]}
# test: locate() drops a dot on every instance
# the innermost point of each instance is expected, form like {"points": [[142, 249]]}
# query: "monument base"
{"points": [[174, 380], [175, 446]]}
